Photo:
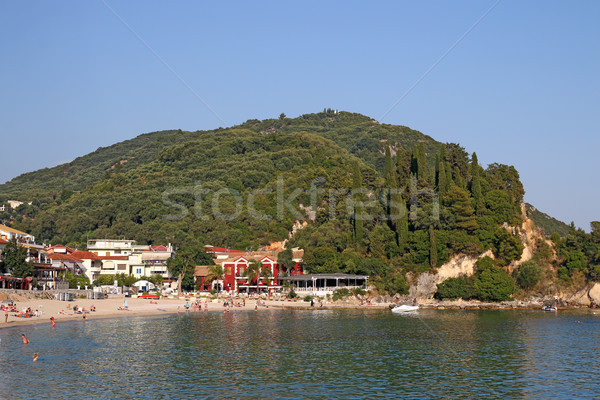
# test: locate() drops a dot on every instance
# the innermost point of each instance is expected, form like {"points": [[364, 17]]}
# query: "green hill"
{"points": [[380, 199], [549, 224]]}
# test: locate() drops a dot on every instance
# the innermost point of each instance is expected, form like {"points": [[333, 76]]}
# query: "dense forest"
{"points": [[379, 199]]}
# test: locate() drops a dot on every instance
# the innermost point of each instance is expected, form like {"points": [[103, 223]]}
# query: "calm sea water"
{"points": [[288, 354]]}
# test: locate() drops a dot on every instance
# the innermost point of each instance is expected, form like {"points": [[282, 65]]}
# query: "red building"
{"points": [[235, 263]]}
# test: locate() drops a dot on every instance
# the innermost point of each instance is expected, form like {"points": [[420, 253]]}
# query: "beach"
{"points": [[112, 307]]}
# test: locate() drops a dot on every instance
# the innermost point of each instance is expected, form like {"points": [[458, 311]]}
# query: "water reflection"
{"points": [[308, 354]]}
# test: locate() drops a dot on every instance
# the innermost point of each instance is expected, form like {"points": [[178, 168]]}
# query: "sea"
{"points": [[308, 354]]}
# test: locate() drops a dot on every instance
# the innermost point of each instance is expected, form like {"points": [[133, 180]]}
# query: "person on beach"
{"points": [[35, 357], [84, 316], [25, 340], [6, 316], [53, 323]]}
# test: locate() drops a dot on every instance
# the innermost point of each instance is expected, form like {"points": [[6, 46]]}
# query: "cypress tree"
{"points": [[476, 186], [403, 226], [357, 223], [421, 159], [388, 167], [460, 209], [432, 248], [437, 171], [414, 162], [442, 186]]}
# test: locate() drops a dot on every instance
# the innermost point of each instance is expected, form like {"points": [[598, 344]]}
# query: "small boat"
{"points": [[404, 309], [549, 308]]}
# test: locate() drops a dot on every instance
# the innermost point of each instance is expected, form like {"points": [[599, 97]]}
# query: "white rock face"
{"points": [[594, 293], [580, 298], [459, 265]]}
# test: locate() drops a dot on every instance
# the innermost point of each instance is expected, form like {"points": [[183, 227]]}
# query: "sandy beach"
{"points": [[110, 308]]}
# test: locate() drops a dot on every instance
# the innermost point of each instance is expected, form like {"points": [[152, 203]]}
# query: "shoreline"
{"points": [[109, 308]]}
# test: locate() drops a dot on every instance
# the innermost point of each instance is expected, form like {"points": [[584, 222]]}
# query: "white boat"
{"points": [[404, 309]]}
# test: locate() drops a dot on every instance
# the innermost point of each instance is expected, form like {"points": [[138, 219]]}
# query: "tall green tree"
{"points": [[183, 264], [403, 227], [285, 259], [478, 204], [255, 272], [358, 197], [388, 166], [461, 214], [216, 272], [432, 248], [13, 257]]}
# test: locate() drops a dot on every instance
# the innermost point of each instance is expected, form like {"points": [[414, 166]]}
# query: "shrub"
{"points": [[308, 298], [340, 294], [492, 283], [528, 275], [594, 273], [455, 288], [292, 294]]}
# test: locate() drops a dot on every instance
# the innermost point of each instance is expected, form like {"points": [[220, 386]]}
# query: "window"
{"points": [[121, 267], [138, 271]]}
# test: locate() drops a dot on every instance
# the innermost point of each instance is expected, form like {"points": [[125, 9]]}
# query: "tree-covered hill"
{"points": [[379, 199], [358, 134], [547, 223], [93, 167]]}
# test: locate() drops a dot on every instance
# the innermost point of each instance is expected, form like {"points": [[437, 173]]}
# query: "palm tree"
{"points": [[253, 272], [266, 272], [216, 272]]}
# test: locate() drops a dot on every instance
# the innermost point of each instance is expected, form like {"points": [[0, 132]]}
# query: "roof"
{"points": [[63, 257], [202, 270], [52, 249], [159, 248], [215, 249], [113, 257], [12, 230], [309, 277], [297, 254], [2, 241], [88, 255]]}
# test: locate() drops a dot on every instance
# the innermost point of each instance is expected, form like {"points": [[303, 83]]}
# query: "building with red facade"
{"points": [[235, 265]]}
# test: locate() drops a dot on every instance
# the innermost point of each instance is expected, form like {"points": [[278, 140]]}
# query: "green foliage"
{"points": [[528, 275], [455, 288], [285, 258], [162, 187], [392, 282], [308, 298], [341, 293], [13, 260], [75, 280], [547, 223], [492, 283], [183, 264], [292, 294], [575, 261], [461, 214]]}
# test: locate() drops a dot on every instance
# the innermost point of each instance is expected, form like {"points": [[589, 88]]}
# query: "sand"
{"points": [[109, 308]]}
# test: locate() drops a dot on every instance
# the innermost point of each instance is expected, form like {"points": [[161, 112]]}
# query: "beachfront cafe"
{"points": [[324, 284]]}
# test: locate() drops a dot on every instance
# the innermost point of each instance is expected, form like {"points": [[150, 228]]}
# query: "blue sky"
{"points": [[521, 88]]}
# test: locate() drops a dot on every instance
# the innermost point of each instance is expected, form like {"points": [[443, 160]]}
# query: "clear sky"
{"points": [[519, 86]]}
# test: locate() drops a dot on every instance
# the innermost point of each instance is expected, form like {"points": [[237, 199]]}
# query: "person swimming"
{"points": [[35, 357], [25, 340]]}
